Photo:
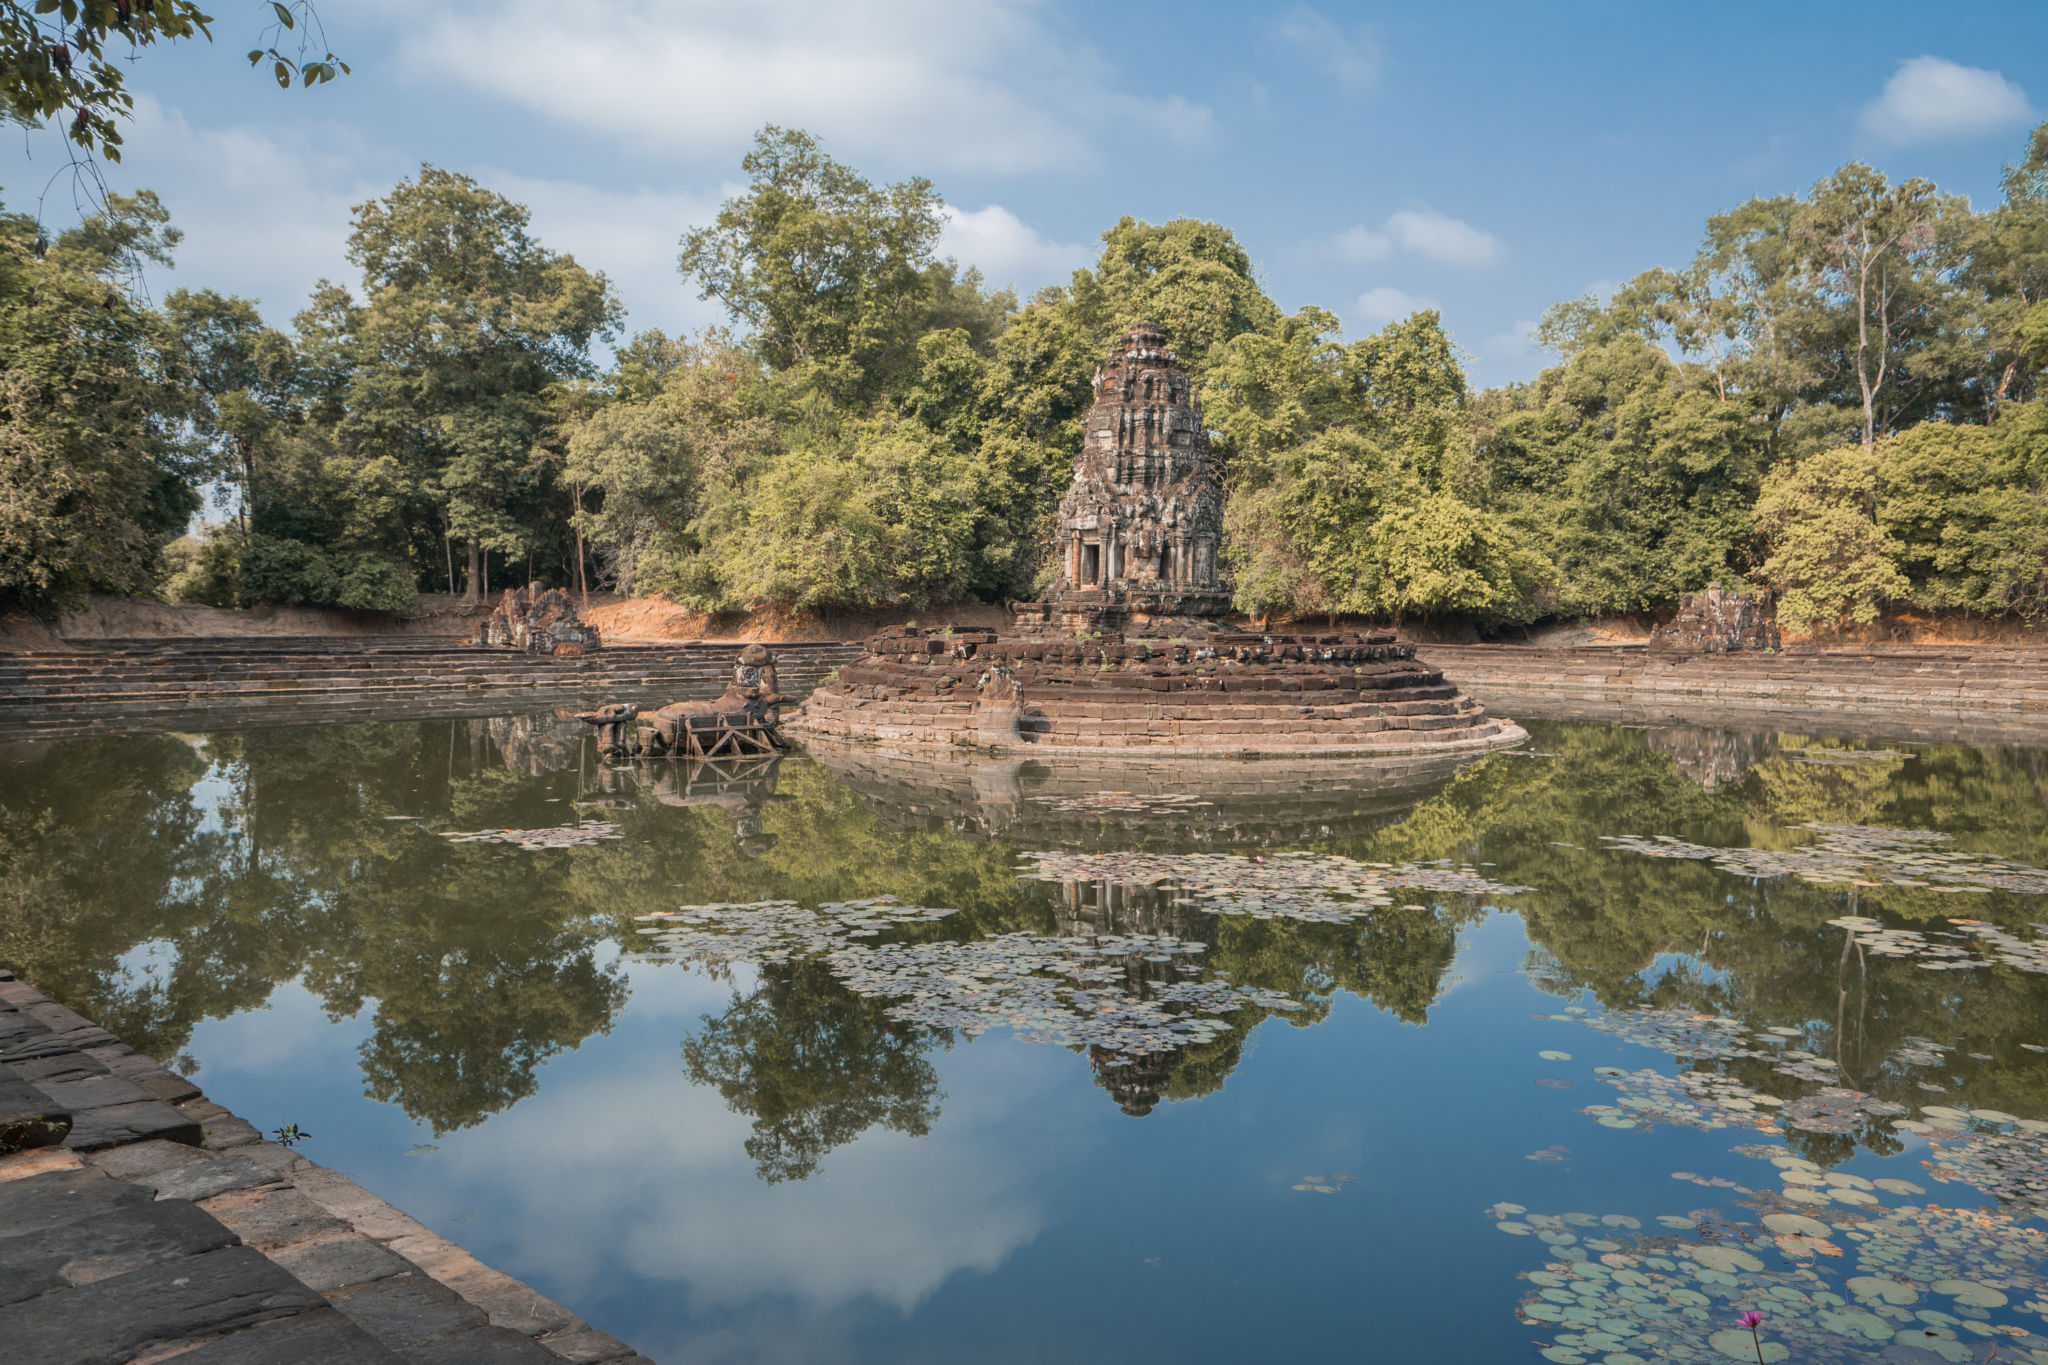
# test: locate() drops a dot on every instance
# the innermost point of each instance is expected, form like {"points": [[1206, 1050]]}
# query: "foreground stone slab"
{"points": [[182, 1301], [171, 1229]]}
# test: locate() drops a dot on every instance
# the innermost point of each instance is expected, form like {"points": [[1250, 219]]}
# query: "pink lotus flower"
{"points": [[1752, 1320]]}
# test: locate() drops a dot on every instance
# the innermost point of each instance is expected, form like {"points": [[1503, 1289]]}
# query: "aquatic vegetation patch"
{"points": [[1048, 989], [1316, 888], [1682, 1033], [584, 834], [1989, 1150], [773, 931], [1914, 1283], [1857, 855], [1069, 991], [1939, 950], [1691, 1099], [1707, 1100], [1691, 1036]]}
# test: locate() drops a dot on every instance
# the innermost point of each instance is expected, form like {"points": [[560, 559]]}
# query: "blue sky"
{"points": [[1488, 158]]}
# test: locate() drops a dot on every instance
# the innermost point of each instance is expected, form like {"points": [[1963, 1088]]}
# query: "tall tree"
{"points": [[94, 478], [1885, 255], [1191, 277], [828, 271], [467, 322]]}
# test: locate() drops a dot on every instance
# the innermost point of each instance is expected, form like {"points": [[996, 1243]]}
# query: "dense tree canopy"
{"points": [[1834, 401]]}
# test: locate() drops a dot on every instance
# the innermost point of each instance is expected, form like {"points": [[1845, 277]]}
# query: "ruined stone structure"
{"points": [[1226, 692], [742, 720], [1131, 647], [537, 620], [1139, 528], [1714, 622]]}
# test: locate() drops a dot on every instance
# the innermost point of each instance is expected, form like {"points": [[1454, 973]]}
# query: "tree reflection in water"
{"points": [[248, 859]]}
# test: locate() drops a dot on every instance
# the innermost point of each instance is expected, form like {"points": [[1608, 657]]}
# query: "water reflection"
{"points": [[243, 860]]}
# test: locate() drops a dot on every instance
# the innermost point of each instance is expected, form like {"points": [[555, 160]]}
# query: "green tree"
{"points": [[54, 58], [1190, 277], [1632, 470], [1829, 560], [96, 476], [466, 325], [830, 273], [1967, 508], [1350, 485], [636, 459], [1886, 256]]}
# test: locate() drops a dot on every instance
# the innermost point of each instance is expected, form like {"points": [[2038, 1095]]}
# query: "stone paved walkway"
{"points": [[141, 1222]]}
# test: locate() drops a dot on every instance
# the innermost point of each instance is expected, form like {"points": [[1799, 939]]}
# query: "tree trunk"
{"points": [[474, 576], [582, 583], [1863, 350]]}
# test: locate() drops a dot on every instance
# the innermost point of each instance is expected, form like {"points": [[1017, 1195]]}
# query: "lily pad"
{"points": [[1737, 1344]]}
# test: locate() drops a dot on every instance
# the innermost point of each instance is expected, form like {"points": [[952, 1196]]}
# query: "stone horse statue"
{"points": [[744, 719]]}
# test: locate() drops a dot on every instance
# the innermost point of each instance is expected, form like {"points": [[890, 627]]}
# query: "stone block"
{"points": [[588, 1346], [140, 1159], [504, 1300], [273, 1216], [29, 1118], [153, 1311], [117, 1124], [428, 1322], [38, 1161], [319, 1337], [123, 1237], [354, 1205], [331, 1265], [33, 1206], [243, 1168]]}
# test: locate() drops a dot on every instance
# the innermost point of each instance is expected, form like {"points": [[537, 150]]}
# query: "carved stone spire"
{"points": [[1139, 527]]}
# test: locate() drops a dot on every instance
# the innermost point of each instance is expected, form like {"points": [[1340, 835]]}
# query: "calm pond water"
{"points": [[1242, 1065]]}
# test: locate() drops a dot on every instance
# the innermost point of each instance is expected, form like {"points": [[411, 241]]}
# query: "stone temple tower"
{"points": [[1139, 527]]}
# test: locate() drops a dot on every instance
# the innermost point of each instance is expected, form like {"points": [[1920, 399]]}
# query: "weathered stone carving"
{"points": [[538, 621], [1714, 622], [1131, 648], [1139, 526], [1219, 692], [746, 718]]}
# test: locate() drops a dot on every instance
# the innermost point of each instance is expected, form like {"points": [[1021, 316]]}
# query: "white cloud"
{"points": [[1008, 250], [1385, 303], [264, 216], [1450, 240], [984, 84], [890, 1217], [1349, 55], [1929, 99], [1360, 245]]}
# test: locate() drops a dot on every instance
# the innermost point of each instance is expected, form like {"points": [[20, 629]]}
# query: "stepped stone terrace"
{"points": [[1221, 693]]}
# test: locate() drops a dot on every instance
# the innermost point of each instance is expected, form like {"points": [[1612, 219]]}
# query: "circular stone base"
{"points": [[1222, 695]]}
